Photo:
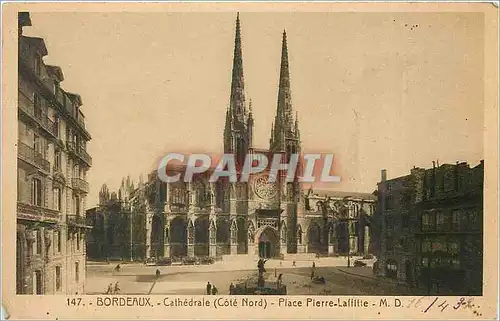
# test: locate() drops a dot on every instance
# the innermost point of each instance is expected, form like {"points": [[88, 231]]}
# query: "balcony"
{"points": [[80, 185], [37, 213], [27, 106], [80, 152], [29, 155], [79, 221]]}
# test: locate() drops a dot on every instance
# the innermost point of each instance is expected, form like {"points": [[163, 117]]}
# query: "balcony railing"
{"points": [[80, 152], [28, 154], [37, 213], [79, 220], [28, 107], [80, 184]]}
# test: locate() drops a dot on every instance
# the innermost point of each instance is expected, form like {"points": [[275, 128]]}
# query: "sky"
{"points": [[379, 90]]}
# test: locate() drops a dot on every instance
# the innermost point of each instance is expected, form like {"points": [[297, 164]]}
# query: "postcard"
{"points": [[250, 160]]}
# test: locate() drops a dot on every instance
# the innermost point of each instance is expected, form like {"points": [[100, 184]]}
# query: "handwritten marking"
{"points": [[425, 311]]}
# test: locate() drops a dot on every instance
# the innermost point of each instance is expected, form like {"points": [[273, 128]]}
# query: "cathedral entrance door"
{"points": [[268, 243]]}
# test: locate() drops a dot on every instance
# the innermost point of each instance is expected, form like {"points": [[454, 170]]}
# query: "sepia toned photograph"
{"points": [[189, 155]]}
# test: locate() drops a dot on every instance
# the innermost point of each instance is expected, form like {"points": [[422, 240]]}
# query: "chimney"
{"points": [[383, 175]]}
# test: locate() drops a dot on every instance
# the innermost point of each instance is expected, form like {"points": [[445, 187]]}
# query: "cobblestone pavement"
{"points": [[191, 280]]}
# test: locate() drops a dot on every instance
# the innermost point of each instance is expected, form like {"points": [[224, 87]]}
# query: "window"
{"points": [[56, 88], [38, 240], [426, 221], [58, 278], [59, 240], [77, 272], [37, 104], [453, 247], [440, 221], [36, 192], [455, 219], [425, 261], [37, 280], [38, 64], [426, 246], [76, 171], [473, 219], [57, 199], [37, 144], [57, 160], [57, 125], [76, 200], [439, 244]]}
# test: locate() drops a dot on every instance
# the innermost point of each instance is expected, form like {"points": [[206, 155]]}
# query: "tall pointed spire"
{"points": [[237, 134], [284, 125], [237, 103]]}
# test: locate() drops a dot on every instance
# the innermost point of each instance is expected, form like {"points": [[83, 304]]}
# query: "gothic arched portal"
{"points": [[222, 236], [157, 237], [201, 236], [268, 243], [178, 237], [313, 238]]}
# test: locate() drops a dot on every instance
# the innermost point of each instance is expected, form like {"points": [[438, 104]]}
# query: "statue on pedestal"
{"points": [[260, 266]]}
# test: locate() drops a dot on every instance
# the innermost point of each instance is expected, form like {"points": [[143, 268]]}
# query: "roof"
{"points": [[56, 71], [37, 42], [75, 98], [342, 194]]}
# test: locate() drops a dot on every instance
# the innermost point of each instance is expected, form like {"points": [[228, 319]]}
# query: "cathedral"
{"points": [[257, 218]]}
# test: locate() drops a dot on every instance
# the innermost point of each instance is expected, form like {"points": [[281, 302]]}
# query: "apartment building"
{"points": [[432, 228], [52, 170]]}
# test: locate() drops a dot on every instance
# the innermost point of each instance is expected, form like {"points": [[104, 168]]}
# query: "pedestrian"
{"points": [[209, 288], [231, 289], [293, 263], [157, 273], [110, 289], [214, 290], [312, 274], [314, 264], [117, 288]]}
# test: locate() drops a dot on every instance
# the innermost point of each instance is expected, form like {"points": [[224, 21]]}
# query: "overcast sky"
{"points": [[379, 90]]}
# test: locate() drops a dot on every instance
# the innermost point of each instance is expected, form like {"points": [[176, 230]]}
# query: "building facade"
{"points": [[432, 228], [256, 218], [51, 183]]}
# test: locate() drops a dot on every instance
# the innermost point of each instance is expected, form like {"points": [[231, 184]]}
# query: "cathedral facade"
{"points": [[257, 218]]}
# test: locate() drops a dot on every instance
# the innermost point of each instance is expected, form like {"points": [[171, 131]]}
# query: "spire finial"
{"points": [[250, 105]]}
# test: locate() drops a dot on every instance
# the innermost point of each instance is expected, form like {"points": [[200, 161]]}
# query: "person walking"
{"points": [[214, 290], [157, 273], [231, 288], [117, 288], [110, 289], [209, 288]]}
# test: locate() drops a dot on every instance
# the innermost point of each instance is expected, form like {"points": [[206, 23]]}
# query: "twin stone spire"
{"points": [[238, 132]]}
